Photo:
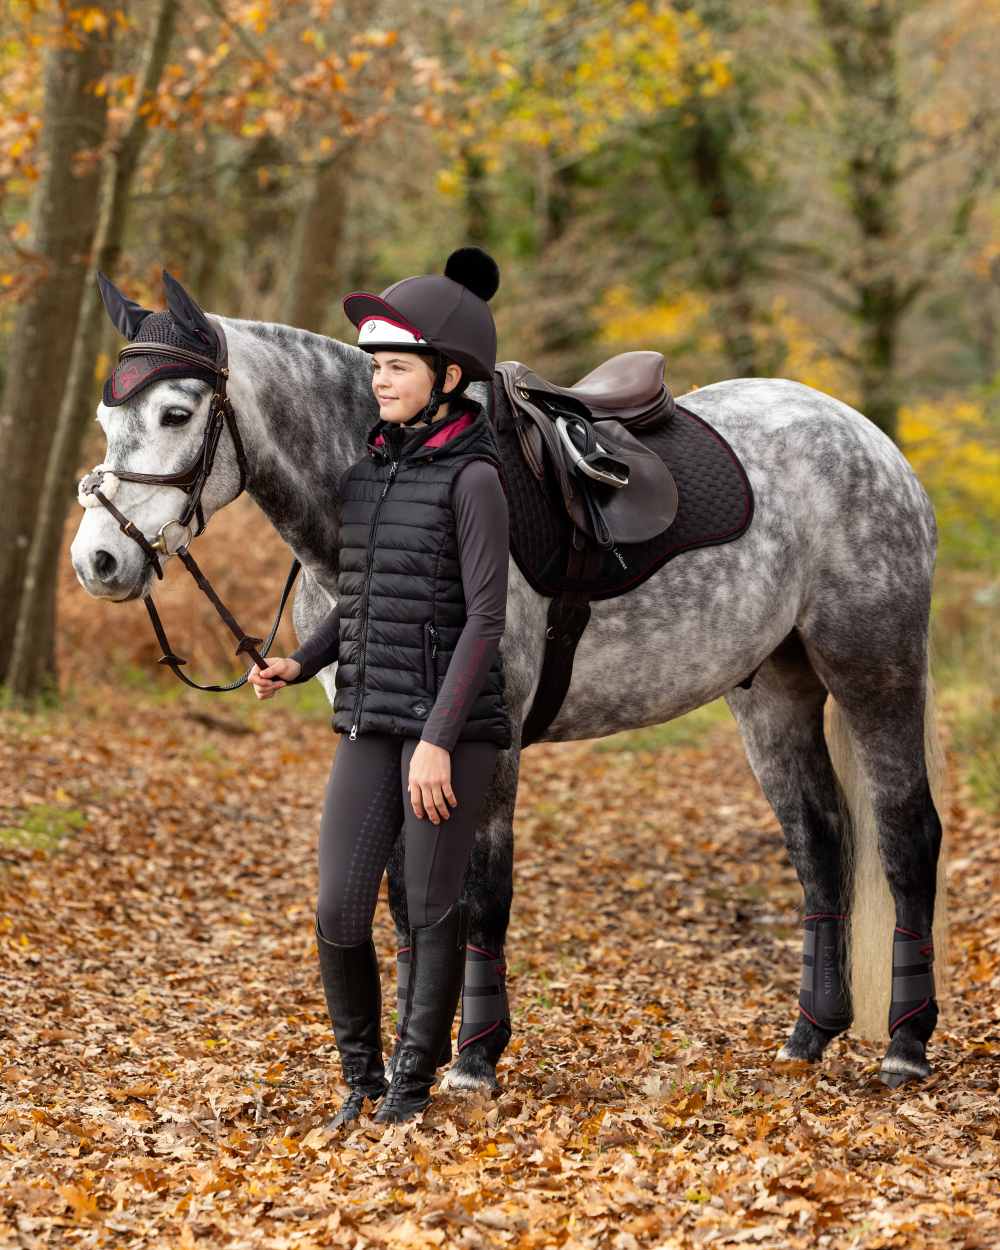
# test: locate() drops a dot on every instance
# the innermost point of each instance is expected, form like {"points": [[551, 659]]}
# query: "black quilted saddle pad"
{"points": [[715, 506]]}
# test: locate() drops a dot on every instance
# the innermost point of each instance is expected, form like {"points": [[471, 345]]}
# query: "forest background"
{"points": [[805, 189]]}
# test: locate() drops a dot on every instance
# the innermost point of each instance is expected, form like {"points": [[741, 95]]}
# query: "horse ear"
{"points": [[127, 315], [188, 315]]}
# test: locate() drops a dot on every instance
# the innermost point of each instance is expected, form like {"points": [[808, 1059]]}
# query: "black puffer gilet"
{"points": [[399, 588]]}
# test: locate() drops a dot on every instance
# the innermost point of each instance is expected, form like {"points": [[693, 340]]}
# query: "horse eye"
{"points": [[175, 416]]}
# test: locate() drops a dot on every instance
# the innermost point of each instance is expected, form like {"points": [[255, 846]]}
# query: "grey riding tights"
{"points": [[367, 805]]}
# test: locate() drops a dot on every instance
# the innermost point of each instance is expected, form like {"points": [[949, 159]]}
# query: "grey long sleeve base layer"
{"points": [[482, 527]]}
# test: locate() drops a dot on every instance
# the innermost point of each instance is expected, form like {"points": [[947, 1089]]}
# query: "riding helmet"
{"points": [[444, 315]]}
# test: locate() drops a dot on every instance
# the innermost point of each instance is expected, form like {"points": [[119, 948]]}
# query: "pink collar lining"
{"points": [[450, 429]]}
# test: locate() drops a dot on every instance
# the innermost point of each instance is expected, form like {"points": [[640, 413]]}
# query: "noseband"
{"points": [[173, 538]]}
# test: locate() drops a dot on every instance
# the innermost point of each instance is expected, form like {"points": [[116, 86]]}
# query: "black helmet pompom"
{"points": [[475, 269]]}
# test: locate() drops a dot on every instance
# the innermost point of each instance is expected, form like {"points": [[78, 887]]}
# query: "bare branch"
{"points": [[813, 282], [944, 145]]}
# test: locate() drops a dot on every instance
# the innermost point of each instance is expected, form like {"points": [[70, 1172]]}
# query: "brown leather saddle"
{"points": [[626, 493], [685, 488]]}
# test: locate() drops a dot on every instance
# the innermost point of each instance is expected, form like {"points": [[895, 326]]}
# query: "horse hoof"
{"points": [[905, 1059], [807, 1042], [471, 1070], [895, 1071], [787, 1054]]}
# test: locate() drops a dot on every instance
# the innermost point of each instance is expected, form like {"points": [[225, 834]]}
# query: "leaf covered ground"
{"points": [[167, 1064]]}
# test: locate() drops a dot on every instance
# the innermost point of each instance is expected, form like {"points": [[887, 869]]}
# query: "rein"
{"points": [[173, 538]]}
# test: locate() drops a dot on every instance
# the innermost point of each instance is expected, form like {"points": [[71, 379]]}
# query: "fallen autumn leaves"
{"points": [[167, 1063]]}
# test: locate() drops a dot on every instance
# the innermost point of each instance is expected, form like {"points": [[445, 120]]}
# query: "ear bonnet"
{"points": [[182, 324]]}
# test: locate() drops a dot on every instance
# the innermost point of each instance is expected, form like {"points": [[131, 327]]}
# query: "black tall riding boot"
{"points": [[354, 1000], [437, 962], [402, 987]]}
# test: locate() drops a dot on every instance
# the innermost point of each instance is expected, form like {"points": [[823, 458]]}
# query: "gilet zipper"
{"points": [[394, 465]]}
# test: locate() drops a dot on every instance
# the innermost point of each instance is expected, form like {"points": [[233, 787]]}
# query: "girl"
{"points": [[421, 608]]}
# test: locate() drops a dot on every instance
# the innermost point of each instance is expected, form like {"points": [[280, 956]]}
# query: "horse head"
{"points": [[162, 412]]}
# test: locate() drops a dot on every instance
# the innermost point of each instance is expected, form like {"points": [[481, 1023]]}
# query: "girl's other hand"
{"points": [[279, 672], [430, 783]]}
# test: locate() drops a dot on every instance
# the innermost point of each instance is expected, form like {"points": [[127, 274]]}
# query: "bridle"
{"points": [[173, 538]]}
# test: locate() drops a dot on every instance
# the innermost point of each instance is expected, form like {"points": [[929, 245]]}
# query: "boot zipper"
{"points": [[394, 465]]}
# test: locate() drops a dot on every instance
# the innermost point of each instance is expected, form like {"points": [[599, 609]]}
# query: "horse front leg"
{"points": [[489, 883], [781, 720]]}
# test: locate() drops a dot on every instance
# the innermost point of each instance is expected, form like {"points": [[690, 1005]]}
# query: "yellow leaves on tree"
{"points": [[570, 96], [955, 448], [88, 19], [628, 324], [799, 356], [256, 15]]}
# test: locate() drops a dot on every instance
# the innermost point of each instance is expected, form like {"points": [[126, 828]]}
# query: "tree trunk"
{"points": [[863, 39], [318, 243], [31, 669], [731, 201], [63, 218], [726, 263], [478, 208], [265, 219]]}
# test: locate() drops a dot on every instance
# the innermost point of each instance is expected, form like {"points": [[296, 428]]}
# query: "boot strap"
{"points": [[912, 976], [823, 994]]}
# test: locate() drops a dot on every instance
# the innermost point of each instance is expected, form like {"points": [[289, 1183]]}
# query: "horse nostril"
{"points": [[104, 564]]}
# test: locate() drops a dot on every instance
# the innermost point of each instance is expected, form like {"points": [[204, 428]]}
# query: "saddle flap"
{"points": [[648, 504]]}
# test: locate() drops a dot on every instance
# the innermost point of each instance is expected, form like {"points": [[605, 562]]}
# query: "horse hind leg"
{"points": [[780, 718], [886, 748]]}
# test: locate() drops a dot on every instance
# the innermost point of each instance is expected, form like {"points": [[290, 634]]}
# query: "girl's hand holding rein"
{"points": [[279, 672]]}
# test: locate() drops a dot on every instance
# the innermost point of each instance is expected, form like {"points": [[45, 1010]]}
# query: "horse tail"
{"points": [[872, 912]]}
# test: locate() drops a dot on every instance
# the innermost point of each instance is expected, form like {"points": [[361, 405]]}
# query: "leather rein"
{"points": [[174, 537]]}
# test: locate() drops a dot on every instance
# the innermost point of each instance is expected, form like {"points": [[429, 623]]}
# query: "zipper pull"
{"points": [[434, 641], [354, 732], [389, 479]]}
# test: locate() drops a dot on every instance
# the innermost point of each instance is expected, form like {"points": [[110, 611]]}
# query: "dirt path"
{"points": [[166, 1062]]}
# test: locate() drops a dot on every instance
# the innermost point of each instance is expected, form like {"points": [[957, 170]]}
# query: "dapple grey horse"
{"points": [[826, 596]]}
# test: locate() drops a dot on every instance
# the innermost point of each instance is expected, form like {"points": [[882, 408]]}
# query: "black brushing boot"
{"points": [[824, 998], [437, 962], [354, 1000]]}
